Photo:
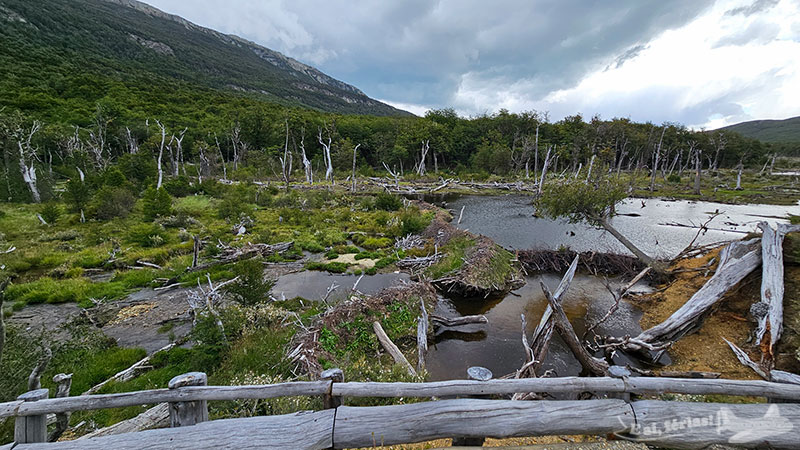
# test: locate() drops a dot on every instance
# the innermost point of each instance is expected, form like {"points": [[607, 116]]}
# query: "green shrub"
{"points": [[251, 288], [148, 235], [236, 202], [110, 202], [674, 178], [373, 243], [388, 202], [178, 187], [77, 194], [156, 203], [113, 177], [412, 222], [333, 267], [50, 212]]}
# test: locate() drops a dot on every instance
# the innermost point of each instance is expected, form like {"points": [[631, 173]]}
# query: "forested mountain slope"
{"points": [[59, 58], [787, 130]]}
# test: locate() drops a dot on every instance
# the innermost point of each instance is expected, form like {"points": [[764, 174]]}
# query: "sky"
{"points": [[702, 63]]}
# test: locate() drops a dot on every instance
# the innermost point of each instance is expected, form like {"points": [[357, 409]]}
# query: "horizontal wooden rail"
{"points": [[182, 394], [634, 385], [666, 424]]}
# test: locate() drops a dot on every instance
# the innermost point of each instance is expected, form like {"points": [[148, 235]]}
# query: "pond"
{"points": [[312, 285], [651, 224], [498, 344]]}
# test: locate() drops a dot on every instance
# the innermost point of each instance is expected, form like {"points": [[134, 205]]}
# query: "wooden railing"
{"points": [[669, 423]]}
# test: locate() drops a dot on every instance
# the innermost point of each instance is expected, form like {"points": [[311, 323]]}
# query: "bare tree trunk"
{"points": [[34, 380], [544, 169], [606, 223], [222, 157], [591, 164], [63, 385], [739, 176], [656, 160], [285, 160], [772, 163], [355, 149], [28, 152], [697, 171], [161, 154], [423, 154], [326, 154], [3, 285], [306, 163]]}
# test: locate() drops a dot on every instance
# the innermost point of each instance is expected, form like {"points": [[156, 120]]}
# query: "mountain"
{"points": [[787, 130], [62, 56]]}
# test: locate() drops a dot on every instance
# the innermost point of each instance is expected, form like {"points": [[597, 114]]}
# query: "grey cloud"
{"points": [[756, 7], [418, 51], [757, 32]]}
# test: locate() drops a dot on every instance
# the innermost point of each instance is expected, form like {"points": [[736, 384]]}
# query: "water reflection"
{"points": [[509, 221], [498, 345]]}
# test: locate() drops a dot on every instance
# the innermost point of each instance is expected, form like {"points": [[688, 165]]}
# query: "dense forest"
{"points": [[265, 141]]}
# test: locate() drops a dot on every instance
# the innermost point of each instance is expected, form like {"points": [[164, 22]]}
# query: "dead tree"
{"points": [[98, 141], [35, 378], [27, 155], [694, 149], [161, 153], [204, 167], [306, 163], [544, 168], [236, 143], [424, 154], [63, 383], [326, 154], [3, 285], [286, 160], [719, 141], [175, 157], [395, 175], [133, 145], [222, 158], [656, 160], [355, 149], [205, 301]]}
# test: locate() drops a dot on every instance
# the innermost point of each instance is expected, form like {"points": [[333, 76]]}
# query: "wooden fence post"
{"points": [[30, 429], [330, 401], [476, 373], [188, 413]]}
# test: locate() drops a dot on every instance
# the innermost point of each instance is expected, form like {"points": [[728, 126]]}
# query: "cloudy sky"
{"points": [[704, 63]]}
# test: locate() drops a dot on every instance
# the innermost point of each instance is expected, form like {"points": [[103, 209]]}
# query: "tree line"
{"points": [[292, 144]]}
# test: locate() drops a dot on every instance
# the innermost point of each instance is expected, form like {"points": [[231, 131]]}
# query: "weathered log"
{"points": [[565, 330], [233, 254], [302, 430], [737, 260], [130, 372], [473, 418], [422, 337], [745, 359], [633, 385], [31, 428], [34, 379], [458, 321], [188, 412], [772, 284], [392, 349], [64, 383], [155, 417], [138, 398], [330, 401], [779, 376], [696, 425]]}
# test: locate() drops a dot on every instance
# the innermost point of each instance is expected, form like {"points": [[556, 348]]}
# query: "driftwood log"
{"points": [[155, 417], [392, 349], [422, 337], [459, 321], [737, 260], [129, 373]]}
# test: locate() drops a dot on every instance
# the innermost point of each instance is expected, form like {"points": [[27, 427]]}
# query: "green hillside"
{"points": [[774, 131], [59, 58]]}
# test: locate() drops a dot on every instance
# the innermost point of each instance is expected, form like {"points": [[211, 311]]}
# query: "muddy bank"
{"points": [[470, 265], [593, 262]]}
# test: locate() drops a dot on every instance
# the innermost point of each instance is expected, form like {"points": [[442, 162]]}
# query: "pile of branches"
{"points": [[594, 262], [230, 254]]}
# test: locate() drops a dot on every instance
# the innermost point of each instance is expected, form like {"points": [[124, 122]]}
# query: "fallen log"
{"points": [[458, 321], [737, 260], [745, 359], [564, 327], [392, 349], [234, 254], [155, 417], [772, 285], [128, 373], [422, 337]]}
